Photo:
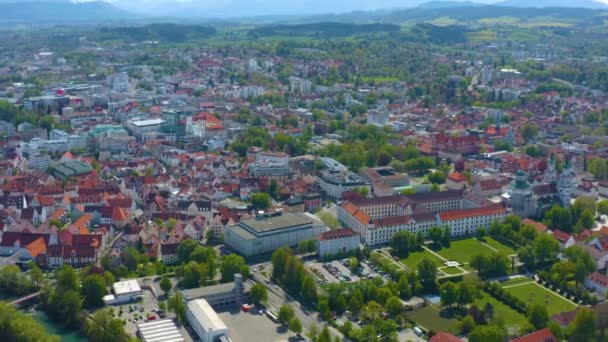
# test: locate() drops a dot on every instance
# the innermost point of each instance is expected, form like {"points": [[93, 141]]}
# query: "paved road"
{"points": [[277, 297]]}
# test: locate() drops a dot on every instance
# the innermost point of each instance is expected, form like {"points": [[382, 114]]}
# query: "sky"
{"points": [[235, 8]]}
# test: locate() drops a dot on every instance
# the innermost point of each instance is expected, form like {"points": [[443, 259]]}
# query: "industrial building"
{"points": [[205, 322], [270, 231], [159, 331], [221, 294], [124, 292]]}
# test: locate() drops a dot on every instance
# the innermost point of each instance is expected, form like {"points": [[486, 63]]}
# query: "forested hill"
{"points": [[324, 29], [463, 14]]}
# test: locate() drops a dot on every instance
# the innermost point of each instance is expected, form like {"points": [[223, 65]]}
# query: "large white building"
{"points": [[124, 292], [338, 241], [335, 183], [268, 232], [378, 219], [205, 322]]}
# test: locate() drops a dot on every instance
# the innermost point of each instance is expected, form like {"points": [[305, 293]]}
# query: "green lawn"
{"points": [[515, 281], [512, 318], [502, 248], [533, 293], [413, 259], [463, 250], [429, 317], [450, 270]]}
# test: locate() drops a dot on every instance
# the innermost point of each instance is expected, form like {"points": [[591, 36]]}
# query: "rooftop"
{"points": [[160, 331], [206, 316], [338, 234], [127, 286], [276, 222], [148, 122]]}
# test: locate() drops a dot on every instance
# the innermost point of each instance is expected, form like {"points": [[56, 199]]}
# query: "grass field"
{"points": [[504, 249], [413, 259], [512, 318], [429, 317], [532, 293], [450, 270], [463, 250]]}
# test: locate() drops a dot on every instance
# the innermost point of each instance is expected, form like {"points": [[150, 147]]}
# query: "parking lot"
{"points": [[253, 326], [338, 271]]}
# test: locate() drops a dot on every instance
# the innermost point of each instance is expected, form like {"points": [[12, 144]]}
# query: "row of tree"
{"points": [[290, 271]]}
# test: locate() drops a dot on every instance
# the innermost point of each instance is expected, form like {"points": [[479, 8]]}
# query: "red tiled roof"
{"points": [[444, 337], [472, 212], [37, 247], [541, 228], [562, 237], [564, 318], [391, 221], [543, 335], [457, 177], [338, 234]]}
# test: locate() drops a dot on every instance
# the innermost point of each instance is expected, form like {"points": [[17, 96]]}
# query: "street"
{"points": [[277, 297]]}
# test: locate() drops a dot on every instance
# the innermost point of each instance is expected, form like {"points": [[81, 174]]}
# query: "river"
{"points": [[52, 327]]}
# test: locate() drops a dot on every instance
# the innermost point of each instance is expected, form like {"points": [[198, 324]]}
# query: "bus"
{"points": [[272, 316]]}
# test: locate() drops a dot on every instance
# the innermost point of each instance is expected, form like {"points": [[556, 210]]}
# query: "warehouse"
{"points": [[205, 322], [270, 231], [159, 331]]}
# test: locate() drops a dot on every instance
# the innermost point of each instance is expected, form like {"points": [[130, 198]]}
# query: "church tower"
{"points": [[566, 184], [522, 199], [551, 172]]}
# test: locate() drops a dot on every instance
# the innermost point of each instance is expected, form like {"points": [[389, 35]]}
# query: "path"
{"points": [[435, 254], [400, 265], [490, 247]]}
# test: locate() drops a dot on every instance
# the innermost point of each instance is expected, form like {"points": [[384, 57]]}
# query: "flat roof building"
{"points": [[268, 232], [205, 322], [159, 331], [124, 292]]}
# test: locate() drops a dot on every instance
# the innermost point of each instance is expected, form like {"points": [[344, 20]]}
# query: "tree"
{"points": [[393, 306], [545, 247], [185, 249], [487, 333], [286, 314], [177, 306], [17, 326], [191, 275], [427, 270], [258, 293], [67, 279], [446, 237], [480, 233], [559, 218], [165, 284], [400, 242], [437, 177], [585, 221], [527, 255], [583, 327], [528, 131], [308, 290], [467, 324], [103, 327], [467, 292], [538, 316], [232, 264], [261, 200], [295, 326], [435, 234], [602, 207], [448, 294], [93, 289]]}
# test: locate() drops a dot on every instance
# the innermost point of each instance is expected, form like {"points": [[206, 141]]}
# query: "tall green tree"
{"points": [[176, 305], [584, 325], [538, 316]]}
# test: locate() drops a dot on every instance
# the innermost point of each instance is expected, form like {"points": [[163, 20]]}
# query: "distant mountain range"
{"points": [[59, 11], [554, 3], [84, 11]]}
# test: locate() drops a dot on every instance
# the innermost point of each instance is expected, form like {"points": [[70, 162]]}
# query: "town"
{"points": [[187, 183]]}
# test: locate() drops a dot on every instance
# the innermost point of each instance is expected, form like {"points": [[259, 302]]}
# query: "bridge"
{"points": [[25, 298]]}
